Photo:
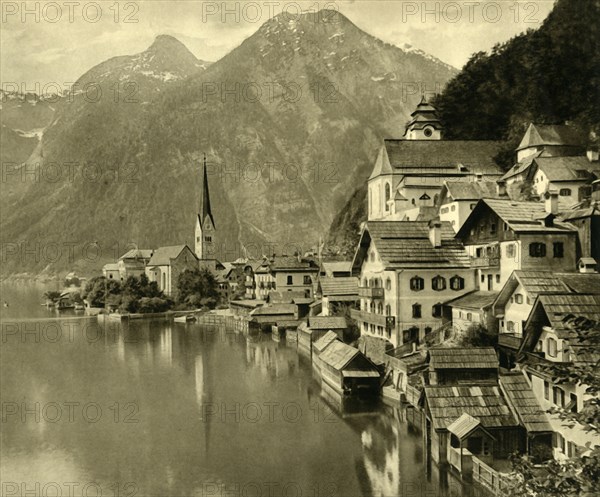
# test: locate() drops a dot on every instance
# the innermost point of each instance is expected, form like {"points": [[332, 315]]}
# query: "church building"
{"points": [[409, 173], [205, 234]]}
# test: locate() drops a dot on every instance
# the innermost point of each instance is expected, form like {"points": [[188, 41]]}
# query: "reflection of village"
{"points": [[452, 246]]}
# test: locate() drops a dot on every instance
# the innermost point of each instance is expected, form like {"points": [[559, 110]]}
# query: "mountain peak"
{"points": [[168, 43]]}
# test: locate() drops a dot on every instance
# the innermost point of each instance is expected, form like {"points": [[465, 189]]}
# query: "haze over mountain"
{"points": [[289, 121]]}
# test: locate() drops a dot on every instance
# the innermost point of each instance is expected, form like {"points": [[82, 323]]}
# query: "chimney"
{"points": [[592, 155], [435, 233], [501, 188], [551, 202]]}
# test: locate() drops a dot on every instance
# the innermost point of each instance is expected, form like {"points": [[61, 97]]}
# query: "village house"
{"points": [[458, 198], [264, 280], [348, 371], [503, 235], [546, 140], [316, 326], [515, 301], [587, 222], [134, 262], [473, 309], [336, 269], [111, 271], [336, 292], [551, 338], [570, 177], [167, 264], [408, 174], [407, 270]]}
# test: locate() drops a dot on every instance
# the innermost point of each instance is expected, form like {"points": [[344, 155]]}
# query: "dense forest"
{"points": [[551, 75]]}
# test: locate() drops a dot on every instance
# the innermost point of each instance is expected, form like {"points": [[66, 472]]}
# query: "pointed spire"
{"points": [[205, 197]]}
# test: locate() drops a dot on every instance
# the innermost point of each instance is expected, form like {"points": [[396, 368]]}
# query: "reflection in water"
{"points": [[188, 388]]}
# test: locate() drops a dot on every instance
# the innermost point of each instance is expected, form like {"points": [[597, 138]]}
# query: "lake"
{"points": [[152, 408]]}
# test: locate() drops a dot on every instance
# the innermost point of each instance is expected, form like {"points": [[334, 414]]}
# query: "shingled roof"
{"points": [[474, 300], [568, 168], [486, 403], [471, 190], [477, 156], [406, 244], [581, 282], [327, 323], [335, 287], [550, 134], [463, 358], [162, 256], [520, 216], [557, 306], [521, 167], [338, 355], [323, 342], [521, 397]]}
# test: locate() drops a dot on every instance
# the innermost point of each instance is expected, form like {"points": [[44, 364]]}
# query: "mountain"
{"points": [[539, 76], [289, 121]]}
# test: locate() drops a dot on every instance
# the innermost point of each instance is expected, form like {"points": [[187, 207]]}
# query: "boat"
{"points": [[189, 318]]}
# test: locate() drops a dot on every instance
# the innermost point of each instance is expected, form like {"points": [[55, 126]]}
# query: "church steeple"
{"points": [[205, 223], [424, 124]]}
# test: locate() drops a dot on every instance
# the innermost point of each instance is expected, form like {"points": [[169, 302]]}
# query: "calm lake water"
{"points": [[166, 409]]}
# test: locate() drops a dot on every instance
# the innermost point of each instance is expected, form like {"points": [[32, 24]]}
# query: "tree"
{"points": [[478, 335], [579, 475], [197, 287], [52, 296], [100, 290]]}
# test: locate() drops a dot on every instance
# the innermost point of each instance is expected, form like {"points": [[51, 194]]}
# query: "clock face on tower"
{"points": [[427, 132]]}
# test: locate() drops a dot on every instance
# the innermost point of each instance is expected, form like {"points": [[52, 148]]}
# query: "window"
{"points": [[469, 316], [372, 256], [497, 278], [510, 250], [412, 201], [388, 310], [427, 132], [197, 238], [388, 284], [560, 442], [307, 280], [388, 194], [572, 406], [457, 283], [537, 249], [518, 298], [505, 226], [365, 283], [472, 206], [416, 311], [444, 210], [546, 390], [493, 229], [483, 278], [436, 311], [565, 192], [558, 249], [551, 347], [453, 208], [558, 396], [438, 283], [208, 238], [290, 280], [417, 283], [510, 326]]}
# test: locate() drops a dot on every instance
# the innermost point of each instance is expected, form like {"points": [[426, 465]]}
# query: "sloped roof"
{"points": [[559, 305], [477, 156], [337, 266], [137, 254], [325, 341], [521, 397], [536, 282], [463, 358], [406, 244], [520, 216], [274, 309], [581, 282], [474, 300], [286, 263], [521, 167], [486, 403], [162, 256], [111, 266], [327, 323], [285, 297], [550, 134], [463, 426], [471, 190], [338, 354], [568, 168], [580, 213], [347, 285]]}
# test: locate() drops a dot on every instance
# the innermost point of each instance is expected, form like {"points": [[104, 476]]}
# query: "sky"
{"points": [[52, 43]]}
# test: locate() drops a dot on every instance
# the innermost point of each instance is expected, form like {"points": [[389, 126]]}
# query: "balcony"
{"points": [[491, 261], [371, 292], [368, 317], [509, 340]]}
